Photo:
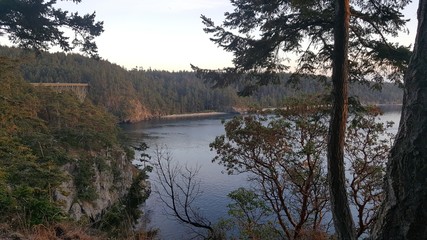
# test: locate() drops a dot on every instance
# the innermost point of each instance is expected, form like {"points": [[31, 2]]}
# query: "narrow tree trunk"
{"points": [[343, 221], [403, 214]]}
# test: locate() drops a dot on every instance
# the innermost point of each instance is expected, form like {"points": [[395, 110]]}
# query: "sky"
{"points": [[168, 34], [157, 34]]}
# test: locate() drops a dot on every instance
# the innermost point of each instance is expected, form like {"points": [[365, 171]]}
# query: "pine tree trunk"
{"points": [[403, 214], [343, 221]]}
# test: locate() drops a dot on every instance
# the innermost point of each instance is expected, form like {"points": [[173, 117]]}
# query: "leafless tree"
{"points": [[178, 187]]}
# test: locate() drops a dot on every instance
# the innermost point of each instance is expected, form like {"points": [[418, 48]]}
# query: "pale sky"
{"points": [[168, 34], [157, 34]]}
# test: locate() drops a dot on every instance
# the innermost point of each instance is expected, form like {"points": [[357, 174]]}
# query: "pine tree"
{"points": [[350, 39], [39, 25]]}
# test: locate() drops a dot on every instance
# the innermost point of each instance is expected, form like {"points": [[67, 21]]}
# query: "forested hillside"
{"points": [[61, 158], [137, 94]]}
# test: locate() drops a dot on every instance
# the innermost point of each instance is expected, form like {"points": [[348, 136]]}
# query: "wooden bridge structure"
{"points": [[79, 89]]}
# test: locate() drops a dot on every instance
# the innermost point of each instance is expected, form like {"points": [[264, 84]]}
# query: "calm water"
{"points": [[188, 142]]}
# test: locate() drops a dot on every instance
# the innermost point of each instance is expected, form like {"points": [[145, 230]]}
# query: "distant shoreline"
{"points": [[189, 115], [385, 106]]}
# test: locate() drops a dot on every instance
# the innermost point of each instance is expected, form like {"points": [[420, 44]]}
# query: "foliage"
{"points": [[26, 180], [263, 34], [126, 93], [367, 147], [83, 178], [40, 131], [39, 24], [138, 193], [284, 158], [347, 39], [120, 219], [34, 206], [144, 157], [93, 130], [249, 216]]}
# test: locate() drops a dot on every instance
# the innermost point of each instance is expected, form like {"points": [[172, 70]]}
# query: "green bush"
{"points": [[121, 217], [83, 179]]}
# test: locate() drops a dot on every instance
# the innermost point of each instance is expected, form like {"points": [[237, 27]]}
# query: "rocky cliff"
{"points": [[136, 112], [110, 181]]}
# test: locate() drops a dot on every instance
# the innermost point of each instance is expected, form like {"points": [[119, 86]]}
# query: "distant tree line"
{"points": [[124, 92]]}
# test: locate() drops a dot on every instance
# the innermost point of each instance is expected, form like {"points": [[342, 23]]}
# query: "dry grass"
{"points": [[314, 235], [67, 231], [62, 231]]}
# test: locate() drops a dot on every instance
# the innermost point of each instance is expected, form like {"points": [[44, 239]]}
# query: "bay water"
{"points": [[187, 141]]}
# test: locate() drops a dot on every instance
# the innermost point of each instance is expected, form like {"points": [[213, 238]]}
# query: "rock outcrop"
{"points": [[137, 112], [110, 183]]}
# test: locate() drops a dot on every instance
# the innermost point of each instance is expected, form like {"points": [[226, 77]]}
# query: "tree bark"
{"points": [[403, 214], [343, 221]]}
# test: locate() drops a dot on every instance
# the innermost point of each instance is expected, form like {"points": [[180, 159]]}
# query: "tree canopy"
{"points": [[263, 34], [347, 39], [40, 131], [161, 92], [40, 24]]}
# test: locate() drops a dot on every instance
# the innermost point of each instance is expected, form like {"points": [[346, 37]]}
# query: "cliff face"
{"points": [[136, 112], [110, 183]]}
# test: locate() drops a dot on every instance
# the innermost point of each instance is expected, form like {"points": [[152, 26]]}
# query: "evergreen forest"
{"points": [[56, 152], [139, 94], [66, 171]]}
